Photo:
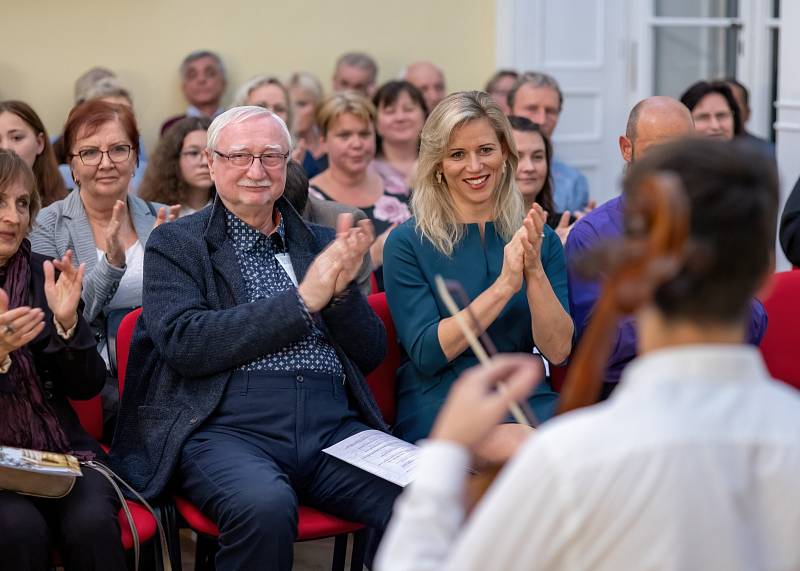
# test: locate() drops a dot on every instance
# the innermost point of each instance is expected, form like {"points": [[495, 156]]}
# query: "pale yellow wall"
{"points": [[46, 44]]}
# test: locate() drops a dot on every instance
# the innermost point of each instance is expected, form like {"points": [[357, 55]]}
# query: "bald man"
{"points": [[429, 79], [652, 122]]}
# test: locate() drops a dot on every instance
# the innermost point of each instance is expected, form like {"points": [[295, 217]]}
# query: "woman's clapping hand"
{"points": [[18, 326], [63, 294]]}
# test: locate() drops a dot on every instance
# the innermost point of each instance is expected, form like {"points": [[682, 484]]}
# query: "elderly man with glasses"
{"points": [[249, 357]]}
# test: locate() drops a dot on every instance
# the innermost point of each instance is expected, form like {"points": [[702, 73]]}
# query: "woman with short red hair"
{"points": [[100, 222]]}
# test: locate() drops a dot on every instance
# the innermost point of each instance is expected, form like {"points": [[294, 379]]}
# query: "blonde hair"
{"points": [[308, 83], [337, 104], [240, 99], [435, 215]]}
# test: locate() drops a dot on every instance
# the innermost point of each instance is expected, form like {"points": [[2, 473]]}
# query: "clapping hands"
{"points": [[18, 326], [522, 254], [337, 266], [63, 294]]}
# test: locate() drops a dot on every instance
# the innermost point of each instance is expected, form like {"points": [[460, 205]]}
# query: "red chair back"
{"points": [[90, 415], [382, 380], [782, 338], [124, 336]]}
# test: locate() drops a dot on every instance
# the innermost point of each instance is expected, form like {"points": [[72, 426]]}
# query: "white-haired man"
{"points": [[250, 356]]}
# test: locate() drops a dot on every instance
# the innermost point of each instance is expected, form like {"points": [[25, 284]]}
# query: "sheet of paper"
{"points": [[378, 453]]}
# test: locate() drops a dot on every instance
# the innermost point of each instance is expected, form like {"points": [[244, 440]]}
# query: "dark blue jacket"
{"points": [[197, 326]]}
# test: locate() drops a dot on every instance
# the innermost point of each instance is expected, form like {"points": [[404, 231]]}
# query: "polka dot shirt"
{"points": [[265, 277]]}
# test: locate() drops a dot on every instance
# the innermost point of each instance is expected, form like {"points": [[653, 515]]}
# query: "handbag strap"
{"points": [[113, 478]]}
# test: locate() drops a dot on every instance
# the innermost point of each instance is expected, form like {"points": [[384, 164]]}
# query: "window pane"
{"points": [[773, 84], [697, 8], [686, 55]]}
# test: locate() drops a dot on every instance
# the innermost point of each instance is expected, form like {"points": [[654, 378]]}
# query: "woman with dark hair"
{"points": [[534, 180], [22, 131], [401, 114], [47, 355], [178, 170], [714, 109]]}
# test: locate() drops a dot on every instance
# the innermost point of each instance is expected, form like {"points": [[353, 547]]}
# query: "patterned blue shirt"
{"points": [[264, 277]]}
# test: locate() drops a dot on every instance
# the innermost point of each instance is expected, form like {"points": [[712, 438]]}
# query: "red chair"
{"points": [[90, 415], [782, 339], [312, 524], [381, 381]]}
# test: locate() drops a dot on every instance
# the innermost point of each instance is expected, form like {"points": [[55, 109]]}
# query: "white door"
{"points": [[584, 45]]}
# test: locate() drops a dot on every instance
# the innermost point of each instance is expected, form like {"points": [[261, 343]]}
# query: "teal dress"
{"points": [[425, 376]]}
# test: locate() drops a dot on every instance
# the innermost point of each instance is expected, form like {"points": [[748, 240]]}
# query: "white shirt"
{"points": [[694, 463], [129, 291]]}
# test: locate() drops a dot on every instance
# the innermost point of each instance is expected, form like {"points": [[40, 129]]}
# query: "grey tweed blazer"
{"points": [[63, 225]]}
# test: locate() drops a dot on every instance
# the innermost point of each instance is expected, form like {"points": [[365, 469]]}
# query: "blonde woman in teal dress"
{"points": [[469, 225]]}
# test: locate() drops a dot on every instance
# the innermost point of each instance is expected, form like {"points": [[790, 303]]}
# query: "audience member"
{"points": [[83, 84], [110, 90], [87, 80], [499, 85], [790, 226], [533, 173], [401, 114], [323, 212], [355, 71], [714, 110], [47, 355], [651, 123], [178, 173], [742, 97], [538, 97], [203, 82], [470, 226], [347, 123], [104, 226], [306, 94], [693, 464], [250, 355], [267, 92], [22, 131], [429, 79]]}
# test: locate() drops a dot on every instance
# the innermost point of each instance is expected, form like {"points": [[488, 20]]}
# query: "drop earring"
{"points": [[439, 177], [504, 168]]}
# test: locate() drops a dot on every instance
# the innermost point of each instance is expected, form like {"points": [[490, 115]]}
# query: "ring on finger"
{"points": [[8, 330]]}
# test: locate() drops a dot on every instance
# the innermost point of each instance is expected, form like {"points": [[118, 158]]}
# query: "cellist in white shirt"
{"points": [[694, 461]]}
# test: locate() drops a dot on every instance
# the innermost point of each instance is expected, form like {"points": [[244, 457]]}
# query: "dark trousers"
{"points": [[83, 526], [259, 456]]}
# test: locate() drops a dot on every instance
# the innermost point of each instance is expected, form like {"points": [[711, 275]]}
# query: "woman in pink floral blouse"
{"points": [[347, 125]]}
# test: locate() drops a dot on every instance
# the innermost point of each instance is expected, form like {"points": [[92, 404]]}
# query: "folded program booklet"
{"points": [[38, 461], [378, 453]]}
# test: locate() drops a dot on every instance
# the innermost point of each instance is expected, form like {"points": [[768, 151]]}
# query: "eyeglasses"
{"points": [[192, 156], [244, 160], [93, 157]]}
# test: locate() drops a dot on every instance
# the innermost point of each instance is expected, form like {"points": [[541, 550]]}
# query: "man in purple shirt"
{"points": [[653, 121]]}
